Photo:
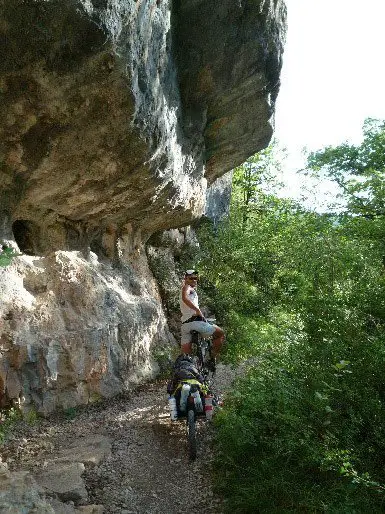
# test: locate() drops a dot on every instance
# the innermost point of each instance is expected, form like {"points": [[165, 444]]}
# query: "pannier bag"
{"points": [[185, 372]]}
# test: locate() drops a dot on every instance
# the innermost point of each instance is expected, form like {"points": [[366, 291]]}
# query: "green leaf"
{"points": [[5, 260]]}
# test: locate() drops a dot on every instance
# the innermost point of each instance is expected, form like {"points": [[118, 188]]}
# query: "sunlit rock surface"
{"points": [[114, 117], [75, 330]]}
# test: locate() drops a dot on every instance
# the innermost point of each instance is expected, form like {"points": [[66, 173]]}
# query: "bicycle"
{"points": [[202, 349], [191, 389]]}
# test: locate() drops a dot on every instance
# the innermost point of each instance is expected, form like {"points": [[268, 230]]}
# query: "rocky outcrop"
{"points": [[229, 61], [218, 198], [114, 117], [76, 330], [58, 485]]}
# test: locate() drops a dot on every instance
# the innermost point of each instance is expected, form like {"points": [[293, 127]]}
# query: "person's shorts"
{"points": [[203, 327]]}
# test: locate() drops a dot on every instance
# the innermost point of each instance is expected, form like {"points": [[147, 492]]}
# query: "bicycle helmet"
{"points": [[190, 272]]}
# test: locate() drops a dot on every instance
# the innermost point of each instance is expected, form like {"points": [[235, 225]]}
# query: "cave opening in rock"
{"points": [[26, 234]]}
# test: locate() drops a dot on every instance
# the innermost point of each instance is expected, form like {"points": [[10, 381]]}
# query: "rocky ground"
{"points": [[132, 458]]}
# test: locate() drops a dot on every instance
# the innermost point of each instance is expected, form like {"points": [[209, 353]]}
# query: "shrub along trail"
{"points": [[148, 470]]}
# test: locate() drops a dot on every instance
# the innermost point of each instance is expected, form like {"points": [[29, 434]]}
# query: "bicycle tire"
{"points": [[191, 433], [201, 358]]}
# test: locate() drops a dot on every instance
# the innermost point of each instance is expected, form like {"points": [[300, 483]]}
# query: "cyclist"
{"points": [[193, 319]]}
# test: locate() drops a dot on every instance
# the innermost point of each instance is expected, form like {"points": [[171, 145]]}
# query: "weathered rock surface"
{"points": [[43, 492], [90, 451], [114, 117], [64, 480], [218, 198], [20, 493], [75, 330], [62, 473], [229, 61]]}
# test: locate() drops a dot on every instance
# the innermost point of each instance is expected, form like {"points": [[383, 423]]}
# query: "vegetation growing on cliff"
{"points": [[304, 293], [6, 255]]}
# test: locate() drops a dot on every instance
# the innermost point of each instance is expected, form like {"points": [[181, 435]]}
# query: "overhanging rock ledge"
{"points": [[115, 115]]}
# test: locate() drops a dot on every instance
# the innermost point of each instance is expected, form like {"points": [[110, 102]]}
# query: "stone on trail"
{"points": [[64, 481], [88, 451]]}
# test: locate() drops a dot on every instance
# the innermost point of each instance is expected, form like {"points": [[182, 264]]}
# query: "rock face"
{"points": [[114, 117], [76, 329], [218, 197], [229, 61]]}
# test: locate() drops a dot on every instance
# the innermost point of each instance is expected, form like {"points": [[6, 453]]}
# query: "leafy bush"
{"points": [[6, 255], [288, 440], [305, 292]]}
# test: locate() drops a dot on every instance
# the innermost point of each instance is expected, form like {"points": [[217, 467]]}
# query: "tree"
{"points": [[257, 173], [358, 170]]}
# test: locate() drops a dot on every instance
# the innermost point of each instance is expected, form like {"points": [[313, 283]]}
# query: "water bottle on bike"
{"points": [[173, 408], [209, 406], [185, 391], [197, 401]]}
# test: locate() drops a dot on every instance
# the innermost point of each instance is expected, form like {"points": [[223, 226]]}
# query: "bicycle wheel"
{"points": [[200, 355], [191, 434]]}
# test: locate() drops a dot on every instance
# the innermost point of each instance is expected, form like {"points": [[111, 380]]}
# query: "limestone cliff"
{"points": [[114, 117]]}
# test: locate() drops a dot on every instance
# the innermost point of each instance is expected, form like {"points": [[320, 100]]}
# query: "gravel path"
{"points": [[148, 470]]}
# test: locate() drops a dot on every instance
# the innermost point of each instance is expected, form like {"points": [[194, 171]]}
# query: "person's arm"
{"points": [[188, 302]]}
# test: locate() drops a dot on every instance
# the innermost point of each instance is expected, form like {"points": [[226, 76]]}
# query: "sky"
{"points": [[333, 77]]}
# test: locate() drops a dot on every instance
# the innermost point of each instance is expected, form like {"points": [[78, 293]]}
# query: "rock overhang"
{"points": [[115, 115], [229, 62], [119, 111]]}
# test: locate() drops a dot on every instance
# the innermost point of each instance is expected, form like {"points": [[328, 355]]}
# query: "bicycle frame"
{"points": [[201, 347]]}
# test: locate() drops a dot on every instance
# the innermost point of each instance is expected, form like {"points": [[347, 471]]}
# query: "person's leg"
{"points": [[206, 330], [218, 339], [186, 338]]}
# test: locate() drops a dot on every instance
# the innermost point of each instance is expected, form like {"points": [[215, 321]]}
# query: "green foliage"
{"points": [[71, 412], [31, 417], [8, 418], [286, 442], [256, 174], [164, 358], [359, 170], [6, 255], [305, 293]]}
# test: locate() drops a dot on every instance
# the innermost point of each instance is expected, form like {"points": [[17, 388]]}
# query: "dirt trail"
{"points": [[148, 470]]}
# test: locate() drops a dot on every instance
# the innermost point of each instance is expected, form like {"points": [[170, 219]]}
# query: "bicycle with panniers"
{"points": [[190, 395]]}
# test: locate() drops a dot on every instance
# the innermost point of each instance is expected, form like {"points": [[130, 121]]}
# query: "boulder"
{"points": [[90, 451], [64, 481]]}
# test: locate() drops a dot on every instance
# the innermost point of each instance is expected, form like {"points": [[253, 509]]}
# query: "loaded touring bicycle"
{"points": [[189, 391]]}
